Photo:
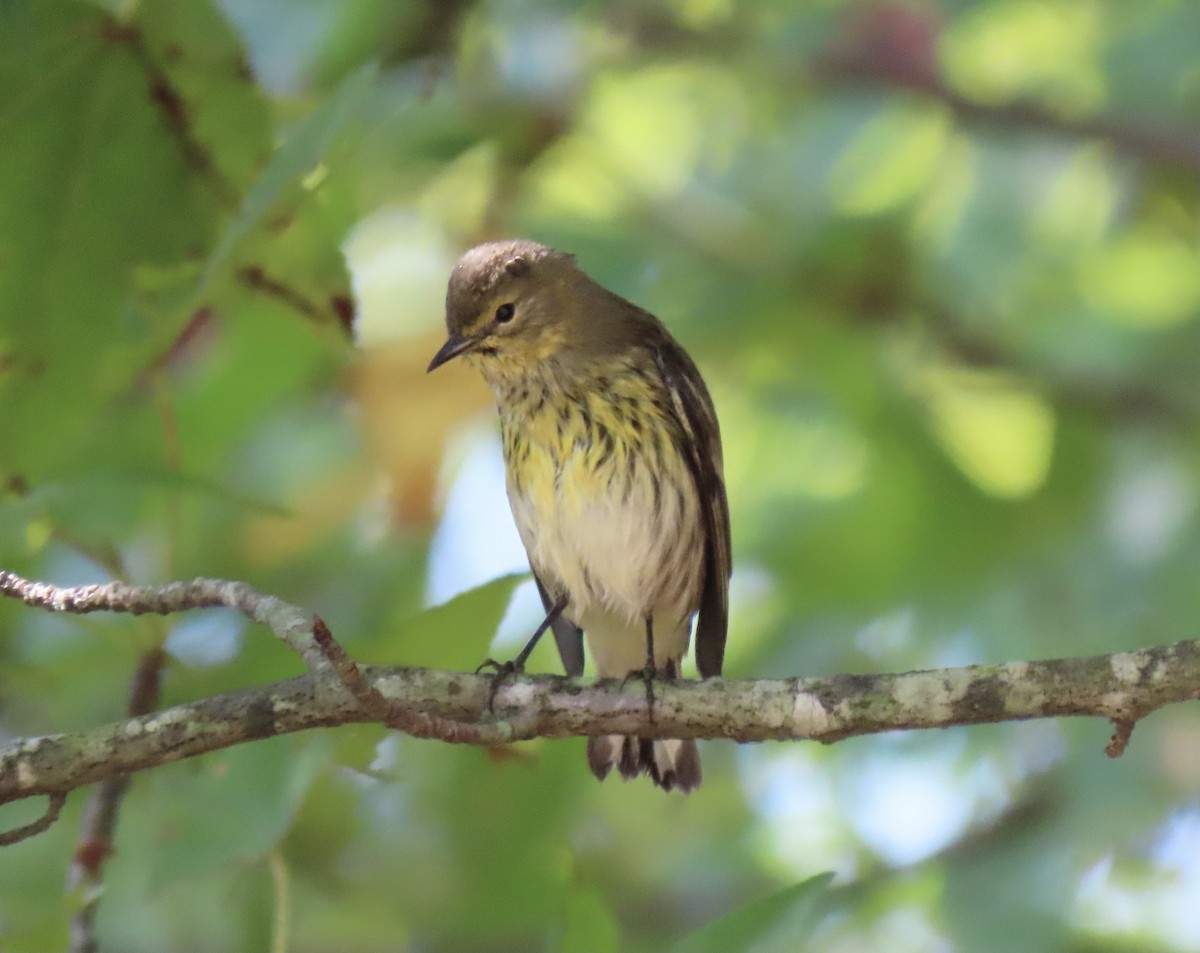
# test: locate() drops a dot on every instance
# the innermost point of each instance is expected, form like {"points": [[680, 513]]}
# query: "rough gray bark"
{"points": [[1121, 687], [453, 706]]}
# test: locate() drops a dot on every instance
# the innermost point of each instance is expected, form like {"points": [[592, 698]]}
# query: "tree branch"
{"points": [[95, 846], [459, 708], [43, 823], [292, 625], [1122, 687], [893, 46], [396, 713], [1147, 141]]}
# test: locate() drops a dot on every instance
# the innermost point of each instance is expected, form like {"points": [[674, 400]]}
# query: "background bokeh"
{"points": [[940, 265]]}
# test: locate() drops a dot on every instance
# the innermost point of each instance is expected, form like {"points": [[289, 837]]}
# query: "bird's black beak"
{"points": [[455, 345]]}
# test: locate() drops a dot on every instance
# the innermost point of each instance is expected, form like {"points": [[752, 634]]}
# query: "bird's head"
{"points": [[512, 305]]}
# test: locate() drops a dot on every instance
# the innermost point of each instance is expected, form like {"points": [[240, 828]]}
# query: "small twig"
{"points": [[348, 672], [395, 715], [1146, 141], [102, 810], [199, 326], [1122, 732], [87, 866], [287, 621], [171, 106], [894, 47], [256, 278], [42, 824]]}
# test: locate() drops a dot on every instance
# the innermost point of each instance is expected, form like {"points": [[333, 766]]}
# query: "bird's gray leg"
{"points": [[514, 666], [648, 673]]}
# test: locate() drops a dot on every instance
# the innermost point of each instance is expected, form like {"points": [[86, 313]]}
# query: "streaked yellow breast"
{"points": [[602, 497]]}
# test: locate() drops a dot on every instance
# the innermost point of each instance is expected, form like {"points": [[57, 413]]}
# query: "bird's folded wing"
{"points": [[698, 419]]}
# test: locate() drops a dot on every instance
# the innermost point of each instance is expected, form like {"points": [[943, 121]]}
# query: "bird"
{"points": [[614, 473]]}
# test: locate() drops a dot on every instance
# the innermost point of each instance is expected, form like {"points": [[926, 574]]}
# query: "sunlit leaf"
{"points": [[295, 162], [455, 634], [779, 922]]}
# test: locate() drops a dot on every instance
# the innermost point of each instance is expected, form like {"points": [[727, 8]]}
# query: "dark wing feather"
{"points": [[567, 635], [694, 409]]}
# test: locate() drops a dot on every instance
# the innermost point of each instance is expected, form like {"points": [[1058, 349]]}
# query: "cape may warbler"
{"points": [[613, 461]]}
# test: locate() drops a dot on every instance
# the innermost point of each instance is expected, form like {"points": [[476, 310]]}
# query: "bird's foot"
{"points": [[502, 672], [646, 676]]}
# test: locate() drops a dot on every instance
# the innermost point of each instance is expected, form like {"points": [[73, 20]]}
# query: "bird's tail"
{"points": [[673, 764]]}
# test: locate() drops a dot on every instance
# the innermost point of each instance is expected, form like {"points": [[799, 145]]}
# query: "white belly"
{"points": [[619, 556]]}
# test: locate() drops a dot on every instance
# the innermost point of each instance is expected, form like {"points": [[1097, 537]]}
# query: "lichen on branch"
{"points": [[454, 706]]}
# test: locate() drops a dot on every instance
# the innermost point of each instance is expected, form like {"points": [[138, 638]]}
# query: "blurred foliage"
{"points": [[940, 264]]}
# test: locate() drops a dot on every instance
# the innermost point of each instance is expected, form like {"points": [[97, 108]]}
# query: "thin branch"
{"points": [[256, 278], [396, 715], [1091, 391], [896, 49], [292, 625], [42, 824], [101, 813], [171, 106], [1122, 687], [1122, 733]]}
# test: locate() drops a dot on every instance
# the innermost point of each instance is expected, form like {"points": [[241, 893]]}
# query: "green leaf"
{"points": [[455, 634], [779, 922], [298, 157], [138, 482], [228, 808], [92, 184], [590, 926], [224, 111]]}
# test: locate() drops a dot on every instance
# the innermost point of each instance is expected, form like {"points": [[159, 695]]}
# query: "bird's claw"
{"points": [[646, 676], [497, 667], [502, 671]]}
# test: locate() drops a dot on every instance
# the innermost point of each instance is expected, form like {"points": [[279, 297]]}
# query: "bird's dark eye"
{"points": [[505, 313]]}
